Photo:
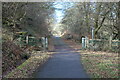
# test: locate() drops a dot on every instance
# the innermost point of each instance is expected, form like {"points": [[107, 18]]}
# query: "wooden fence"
{"points": [[26, 40], [100, 44]]}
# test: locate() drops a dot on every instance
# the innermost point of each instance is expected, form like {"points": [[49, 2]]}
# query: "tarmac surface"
{"points": [[65, 63]]}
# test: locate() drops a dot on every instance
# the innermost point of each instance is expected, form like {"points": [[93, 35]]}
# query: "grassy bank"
{"points": [[98, 64], [26, 69]]}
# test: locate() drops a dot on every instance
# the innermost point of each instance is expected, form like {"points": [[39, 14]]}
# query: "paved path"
{"points": [[65, 63]]}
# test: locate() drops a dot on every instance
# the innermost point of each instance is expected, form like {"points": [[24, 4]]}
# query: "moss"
{"points": [[22, 65], [26, 69]]}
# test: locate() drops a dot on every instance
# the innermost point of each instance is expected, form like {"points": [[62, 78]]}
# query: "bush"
{"points": [[11, 56], [25, 56]]}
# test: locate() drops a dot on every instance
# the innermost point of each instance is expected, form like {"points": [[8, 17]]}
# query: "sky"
{"points": [[60, 8]]}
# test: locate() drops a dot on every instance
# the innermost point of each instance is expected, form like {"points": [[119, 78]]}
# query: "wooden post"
{"points": [[87, 42], [44, 43], [20, 39], [83, 43], [110, 42], [92, 37], [27, 39]]}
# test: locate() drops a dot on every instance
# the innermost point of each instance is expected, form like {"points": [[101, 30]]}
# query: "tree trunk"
{"points": [[119, 25]]}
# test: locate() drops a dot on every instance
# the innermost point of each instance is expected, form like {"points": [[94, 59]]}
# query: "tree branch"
{"points": [[98, 28]]}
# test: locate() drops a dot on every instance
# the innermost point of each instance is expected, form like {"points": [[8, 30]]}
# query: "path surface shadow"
{"points": [[65, 63]]}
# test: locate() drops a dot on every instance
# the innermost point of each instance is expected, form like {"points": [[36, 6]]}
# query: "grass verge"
{"points": [[26, 69], [100, 64]]}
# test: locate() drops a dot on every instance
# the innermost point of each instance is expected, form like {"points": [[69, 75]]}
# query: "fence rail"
{"points": [[100, 44]]}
